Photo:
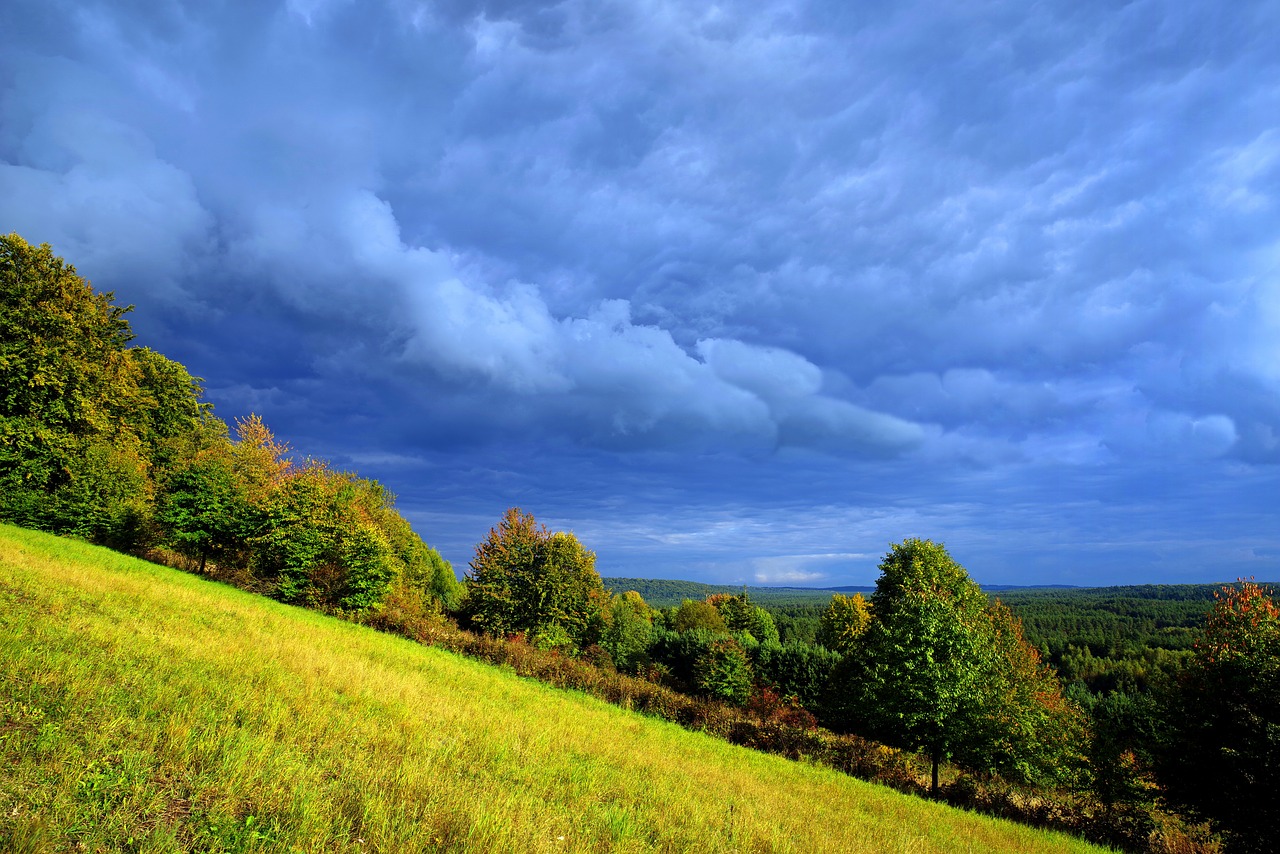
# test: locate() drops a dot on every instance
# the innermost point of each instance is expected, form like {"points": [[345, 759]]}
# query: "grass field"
{"points": [[142, 709]]}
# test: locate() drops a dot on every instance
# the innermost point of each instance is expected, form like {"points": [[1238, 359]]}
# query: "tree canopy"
{"points": [[938, 669], [525, 578], [83, 417], [1222, 761], [112, 443]]}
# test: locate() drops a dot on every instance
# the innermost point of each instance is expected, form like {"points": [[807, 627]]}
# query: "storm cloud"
{"points": [[741, 292]]}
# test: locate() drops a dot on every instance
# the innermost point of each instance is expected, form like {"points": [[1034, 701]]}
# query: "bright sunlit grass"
{"points": [[142, 709]]}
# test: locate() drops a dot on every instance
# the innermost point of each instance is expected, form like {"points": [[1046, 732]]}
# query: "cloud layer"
{"points": [[831, 275]]}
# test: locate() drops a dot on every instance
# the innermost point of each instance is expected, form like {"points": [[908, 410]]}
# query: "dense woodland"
{"points": [[1146, 701]]}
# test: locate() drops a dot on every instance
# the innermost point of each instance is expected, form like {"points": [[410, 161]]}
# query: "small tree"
{"points": [[525, 578], [201, 507], [694, 615], [743, 616]]}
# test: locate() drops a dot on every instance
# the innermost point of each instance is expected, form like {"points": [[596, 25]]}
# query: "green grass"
{"points": [[142, 709]]}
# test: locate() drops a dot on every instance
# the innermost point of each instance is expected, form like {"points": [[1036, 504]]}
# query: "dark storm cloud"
{"points": [[744, 291]]}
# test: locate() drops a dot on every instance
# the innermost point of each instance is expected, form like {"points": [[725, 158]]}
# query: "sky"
{"points": [[736, 292]]}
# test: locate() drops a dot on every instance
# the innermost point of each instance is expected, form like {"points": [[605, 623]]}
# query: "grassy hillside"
{"points": [[142, 709]]}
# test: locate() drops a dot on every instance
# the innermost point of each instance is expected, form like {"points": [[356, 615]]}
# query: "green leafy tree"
{"points": [[723, 672], [628, 632], [923, 654], [525, 578], [693, 615], [201, 507], [1222, 761], [72, 406], [1024, 728], [797, 669], [86, 422], [939, 670], [743, 616], [843, 622]]}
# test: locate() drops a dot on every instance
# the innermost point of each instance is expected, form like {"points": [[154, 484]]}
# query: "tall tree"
{"points": [[937, 669], [1222, 761], [81, 414], [923, 654]]}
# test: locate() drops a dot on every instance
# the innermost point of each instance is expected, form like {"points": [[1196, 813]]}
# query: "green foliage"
{"points": [[1223, 757], [922, 657], [743, 616], [723, 672], [201, 507], [699, 616], [844, 621], [1024, 729], [169, 401], [938, 670], [1125, 731], [1126, 639], [78, 411], [525, 578], [800, 670], [628, 631]]}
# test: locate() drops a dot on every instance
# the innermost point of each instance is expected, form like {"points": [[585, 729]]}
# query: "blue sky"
{"points": [[737, 292]]}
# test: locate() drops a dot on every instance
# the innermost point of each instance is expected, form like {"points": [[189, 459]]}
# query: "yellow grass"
{"points": [[142, 709]]}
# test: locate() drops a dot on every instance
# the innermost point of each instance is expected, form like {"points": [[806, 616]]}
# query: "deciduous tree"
{"points": [[940, 671], [844, 621], [1223, 757], [525, 578]]}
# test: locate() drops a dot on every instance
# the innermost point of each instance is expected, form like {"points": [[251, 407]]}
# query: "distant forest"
{"points": [[1102, 638]]}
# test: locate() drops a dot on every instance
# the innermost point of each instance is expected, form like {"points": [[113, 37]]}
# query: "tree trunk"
{"points": [[933, 786]]}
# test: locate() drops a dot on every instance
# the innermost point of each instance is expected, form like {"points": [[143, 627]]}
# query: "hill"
{"points": [[143, 709], [665, 592]]}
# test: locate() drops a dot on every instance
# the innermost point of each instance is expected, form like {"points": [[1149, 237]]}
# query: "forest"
{"points": [[1148, 717]]}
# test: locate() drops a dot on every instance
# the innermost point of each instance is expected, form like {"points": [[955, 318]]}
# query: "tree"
{"points": [[1024, 728], [85, 421], [71, 460], [939, 670], [629, 631], [525, 578], [844, 621], [693, 615], [1222, 759], [742, 616], [922, 655], [723, 672], [201, 507]]}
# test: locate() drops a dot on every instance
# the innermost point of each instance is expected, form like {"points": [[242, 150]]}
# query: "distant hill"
{"points": [[664, 592]]}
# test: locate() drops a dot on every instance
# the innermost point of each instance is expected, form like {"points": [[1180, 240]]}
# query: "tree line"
{"points": [[113, 443]]}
